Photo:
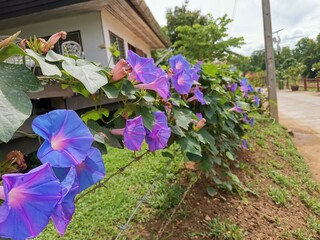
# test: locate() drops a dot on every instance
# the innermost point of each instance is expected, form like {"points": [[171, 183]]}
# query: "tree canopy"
{"points": [[198, 36]]}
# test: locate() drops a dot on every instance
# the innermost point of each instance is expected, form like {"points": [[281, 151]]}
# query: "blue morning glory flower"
{"points": [[67, 138], [29, 201]]}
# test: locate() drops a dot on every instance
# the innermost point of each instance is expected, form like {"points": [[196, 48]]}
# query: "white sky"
{"points": [[299, 18]]}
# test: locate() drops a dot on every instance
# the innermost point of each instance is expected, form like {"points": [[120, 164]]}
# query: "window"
{"points": [[120, 43], [71, 36], [136, 50]]}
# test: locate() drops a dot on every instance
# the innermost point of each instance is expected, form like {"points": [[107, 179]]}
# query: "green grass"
{"points": [[99, 214], [314, 223], [224, 230], [280, 196]]}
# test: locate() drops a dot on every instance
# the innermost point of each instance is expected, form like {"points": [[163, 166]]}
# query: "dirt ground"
{"points": [[307, 141], [257, 215], [299, 112]]}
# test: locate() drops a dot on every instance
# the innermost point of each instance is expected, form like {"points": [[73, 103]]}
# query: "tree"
{"points": [[199, 36], [206, 41], [181, 16], [282, 58], [258, 60], [305, 52]]}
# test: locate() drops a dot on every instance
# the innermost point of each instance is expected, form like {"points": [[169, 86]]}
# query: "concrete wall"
{"points": [[89, 25], [110, 23]]}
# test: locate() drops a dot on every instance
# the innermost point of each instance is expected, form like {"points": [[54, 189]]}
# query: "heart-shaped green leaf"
{"points": [[15, 105]]}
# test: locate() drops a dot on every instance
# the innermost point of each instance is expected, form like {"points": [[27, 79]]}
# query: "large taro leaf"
{"points": [[85, 72], [15, 105]]}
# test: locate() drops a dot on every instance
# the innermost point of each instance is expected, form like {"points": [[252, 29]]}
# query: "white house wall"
{"points": [[89, 25], [110, 23]]}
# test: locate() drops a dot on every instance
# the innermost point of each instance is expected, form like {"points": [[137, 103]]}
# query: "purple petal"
{"points": [[160, 85], [236, 108], [194, 74], [199, 95], [245, 118], [134, 133], [182, 82], [160, 134], [143, 69], [256, 101], [64, 210], [30, 201], [244, 144], [251, 122], [91, 170], [199, 115], [234, 87], [67, 138], [179, 63]]}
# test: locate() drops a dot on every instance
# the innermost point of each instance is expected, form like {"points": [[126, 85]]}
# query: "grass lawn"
{"points": [[99, 214]]}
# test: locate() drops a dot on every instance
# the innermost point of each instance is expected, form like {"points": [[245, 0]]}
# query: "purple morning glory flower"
{"points": [[143, 69], [233, 87], [197, 66], [182, 82], [244, 144], [179, 63], [91, 170], [251, 122], [259, 90], [194, 74], [160, 134], [160, 85], [256, 101], [236, 108], [30, 200], [250, 88], [244, 86], [133, 134], [67, 138], [244, 82], [199, 115], [245, 118], [198, 95], [64, 210]]}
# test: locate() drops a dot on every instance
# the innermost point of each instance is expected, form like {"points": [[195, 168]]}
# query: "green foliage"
{"points": [[280, 196], [294, 72], [15, 105], [198, 36], [181, 16], [206, 41]]}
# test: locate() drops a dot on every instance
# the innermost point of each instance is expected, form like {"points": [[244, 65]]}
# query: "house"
{"points": [[94, 24]]}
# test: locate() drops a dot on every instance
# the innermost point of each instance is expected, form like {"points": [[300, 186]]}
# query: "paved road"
{"points": [[300, 112]]}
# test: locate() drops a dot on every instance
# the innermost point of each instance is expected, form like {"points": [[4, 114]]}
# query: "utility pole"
{"points": [[270, 64]]}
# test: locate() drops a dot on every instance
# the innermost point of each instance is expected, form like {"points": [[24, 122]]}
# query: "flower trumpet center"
{"points": [[57, 143], [16, 197]]}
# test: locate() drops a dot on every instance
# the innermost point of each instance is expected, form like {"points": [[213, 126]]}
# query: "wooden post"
{"points": [[317, 79], [270, 65], [305, 83]]}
